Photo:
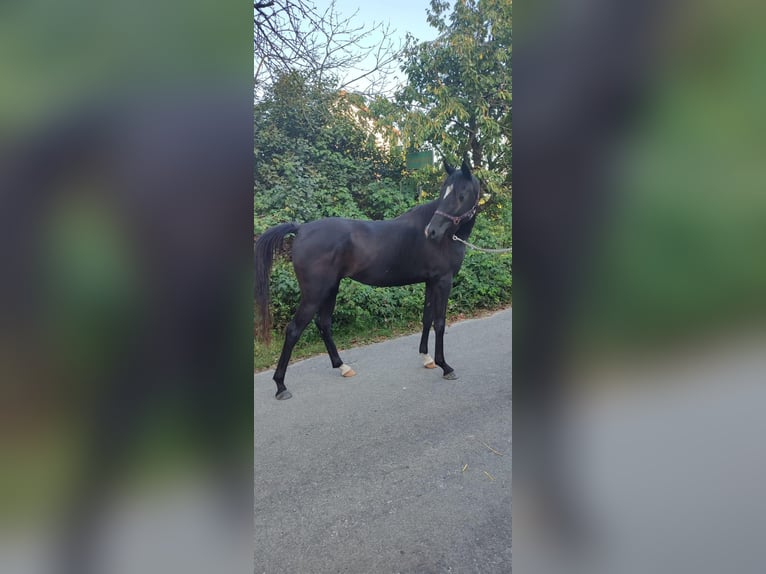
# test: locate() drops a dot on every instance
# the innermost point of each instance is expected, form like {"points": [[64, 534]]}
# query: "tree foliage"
{"points": [[317, 155], [458, 96]]}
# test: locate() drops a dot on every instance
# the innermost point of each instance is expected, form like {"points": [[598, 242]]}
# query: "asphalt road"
{"points": [[393, 470]]}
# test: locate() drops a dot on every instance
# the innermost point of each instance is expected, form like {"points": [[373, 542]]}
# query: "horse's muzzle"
{"points": [[432, 233]]}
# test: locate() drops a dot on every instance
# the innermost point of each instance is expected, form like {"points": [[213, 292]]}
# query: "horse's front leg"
{"points": [[428, 319], [440, 295]]}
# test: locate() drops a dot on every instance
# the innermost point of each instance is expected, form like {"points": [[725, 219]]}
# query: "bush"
{"points": [[484, 282], [285, 293]]}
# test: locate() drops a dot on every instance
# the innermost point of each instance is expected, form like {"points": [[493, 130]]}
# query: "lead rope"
{"points": [[483, 249]]}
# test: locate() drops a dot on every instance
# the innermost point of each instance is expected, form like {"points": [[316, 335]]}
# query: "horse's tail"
{"points": [[265, 247]]}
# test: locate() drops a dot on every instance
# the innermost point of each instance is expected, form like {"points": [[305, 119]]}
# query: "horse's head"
{"points": [[458, 201]]}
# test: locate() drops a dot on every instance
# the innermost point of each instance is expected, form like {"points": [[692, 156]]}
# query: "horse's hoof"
{"points": [[346, 371], [284, 395], [451, 376], [430, 365]]}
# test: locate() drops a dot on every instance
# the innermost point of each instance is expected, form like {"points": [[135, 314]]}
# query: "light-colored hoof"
{"points": [[428, 361], [430, 365], [346, 371]]}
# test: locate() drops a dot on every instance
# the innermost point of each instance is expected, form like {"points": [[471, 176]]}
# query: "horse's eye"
{"points": [[461, 198]]}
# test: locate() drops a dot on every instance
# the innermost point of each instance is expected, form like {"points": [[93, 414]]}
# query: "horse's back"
{"points": [[325, 234], [346, 248]]}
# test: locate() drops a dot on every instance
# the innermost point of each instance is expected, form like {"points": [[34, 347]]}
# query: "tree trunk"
{"points": [[475, 144]]}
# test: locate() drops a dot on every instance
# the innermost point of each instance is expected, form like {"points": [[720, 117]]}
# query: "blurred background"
{"points": [[125, 315], [639, 246]]}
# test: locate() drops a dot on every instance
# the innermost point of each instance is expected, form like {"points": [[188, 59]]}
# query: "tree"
{"points": [[458, 97], [292, 35]]}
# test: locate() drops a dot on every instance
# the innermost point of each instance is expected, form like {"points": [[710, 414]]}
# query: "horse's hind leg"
{"points": [[428, 319], [324, 324], [306, 310]]}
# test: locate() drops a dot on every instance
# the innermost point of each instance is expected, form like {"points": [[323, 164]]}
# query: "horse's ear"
{"points": [[466, 169], [448, 168]]}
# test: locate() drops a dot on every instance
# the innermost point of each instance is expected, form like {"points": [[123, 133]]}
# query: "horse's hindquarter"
{"points": [[322, 247]]}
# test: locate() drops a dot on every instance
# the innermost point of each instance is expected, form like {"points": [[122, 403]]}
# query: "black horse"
{"points": [[416, 247]]}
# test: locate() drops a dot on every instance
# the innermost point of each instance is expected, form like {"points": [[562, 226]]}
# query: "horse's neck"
{"points": [[464, 231], [420, 214], [427, 210]]}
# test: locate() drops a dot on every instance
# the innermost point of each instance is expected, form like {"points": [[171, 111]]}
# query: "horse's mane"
{"points": [[426, 208]]}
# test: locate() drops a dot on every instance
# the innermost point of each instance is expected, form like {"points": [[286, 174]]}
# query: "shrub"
{"points": [[484, 282]]}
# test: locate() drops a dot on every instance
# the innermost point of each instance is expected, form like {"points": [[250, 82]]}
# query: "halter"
{"points": [[456, 219]]}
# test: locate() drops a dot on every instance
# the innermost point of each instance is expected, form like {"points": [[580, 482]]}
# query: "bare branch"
{"points": [[291, 35]]}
